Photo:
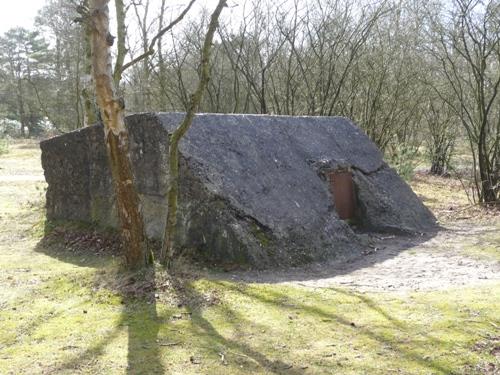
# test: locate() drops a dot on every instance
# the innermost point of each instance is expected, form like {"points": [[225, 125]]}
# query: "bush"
{"points": [[9, 128], [403, 160]]}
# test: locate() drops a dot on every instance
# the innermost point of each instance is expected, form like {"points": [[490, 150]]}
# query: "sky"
{"points": [[19, 13], [23, 12]]}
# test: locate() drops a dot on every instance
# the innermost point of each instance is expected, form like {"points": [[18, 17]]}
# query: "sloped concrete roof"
{"points": [[252, 187], [262, 164]]}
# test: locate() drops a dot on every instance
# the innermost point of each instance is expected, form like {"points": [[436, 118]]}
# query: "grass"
{"points": [[65, 325], [4, 146], [448, 201], [22, 158], [64, 311], [441, 194]]}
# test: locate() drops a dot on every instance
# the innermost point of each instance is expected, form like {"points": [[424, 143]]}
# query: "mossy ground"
{"points": [[73, 312], [448, 201]]}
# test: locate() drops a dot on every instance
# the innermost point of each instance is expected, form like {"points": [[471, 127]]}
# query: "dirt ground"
{"points": [[464, 252], [402, 263]]}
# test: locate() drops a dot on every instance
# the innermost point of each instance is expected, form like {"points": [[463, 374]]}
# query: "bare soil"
{"points": [[394, 263]]}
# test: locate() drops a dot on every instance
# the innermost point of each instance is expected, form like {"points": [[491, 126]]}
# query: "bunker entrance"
{"points": [[343, 194]]}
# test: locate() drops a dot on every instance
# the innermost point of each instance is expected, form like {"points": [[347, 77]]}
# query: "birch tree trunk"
{"points": [[168, 246], [116, 138]]}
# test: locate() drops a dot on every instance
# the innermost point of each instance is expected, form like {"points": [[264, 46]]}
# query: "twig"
{"points": [[223, 358], [244, 356], [169, 343], [150, 49]]}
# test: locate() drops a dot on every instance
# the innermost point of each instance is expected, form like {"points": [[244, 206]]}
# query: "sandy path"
{"points": [[21, 178], [403, 264]]}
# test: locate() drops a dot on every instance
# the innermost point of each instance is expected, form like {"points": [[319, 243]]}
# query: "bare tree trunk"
{"points": [[167, 250], [90, 115], [469, 56], [143, 84], [162, 74], [20, 105], [116, 138]]}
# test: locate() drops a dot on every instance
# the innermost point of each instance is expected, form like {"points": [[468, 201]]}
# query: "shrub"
{"points": [[403, 160]]}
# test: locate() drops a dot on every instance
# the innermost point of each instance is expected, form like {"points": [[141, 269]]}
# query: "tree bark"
{"points": [[116, 139], [90, 115], [168, 247], [20, 104]]}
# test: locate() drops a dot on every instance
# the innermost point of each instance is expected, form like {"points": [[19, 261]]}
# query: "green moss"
{"points": [[483, 251], [263, 238], [97, 210]]}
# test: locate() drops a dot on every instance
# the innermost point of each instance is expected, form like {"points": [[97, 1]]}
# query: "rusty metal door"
{"points": [[342, 189]]}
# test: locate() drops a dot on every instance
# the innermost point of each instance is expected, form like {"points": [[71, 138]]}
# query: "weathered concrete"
{"points": [[253, 188]]}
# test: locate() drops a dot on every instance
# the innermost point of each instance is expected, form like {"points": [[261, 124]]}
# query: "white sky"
{"points": [[23, 12], [19, 13]]}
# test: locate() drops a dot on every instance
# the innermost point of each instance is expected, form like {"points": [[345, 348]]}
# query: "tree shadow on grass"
{"points": [[233, 352], [275, 298], [138, 313], [144, 321], [140, 316]]}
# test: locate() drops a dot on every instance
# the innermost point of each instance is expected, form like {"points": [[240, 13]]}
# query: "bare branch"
{"points": [[160, 33]]}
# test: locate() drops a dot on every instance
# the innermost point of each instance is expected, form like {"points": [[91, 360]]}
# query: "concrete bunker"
{"points": [[255, 189]]}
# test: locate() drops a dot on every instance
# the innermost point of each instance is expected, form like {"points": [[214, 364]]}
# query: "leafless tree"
{"points": [[112, 112], [168, 247], [468, 50]]}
